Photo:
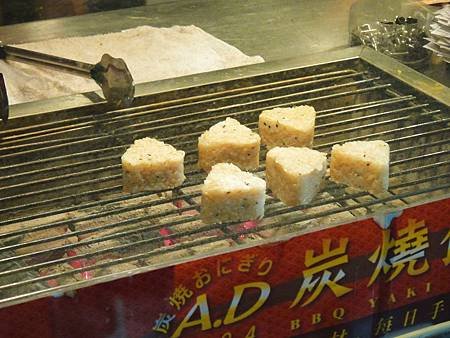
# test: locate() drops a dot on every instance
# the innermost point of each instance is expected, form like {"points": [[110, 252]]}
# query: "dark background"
{"points": [[17, 11]]}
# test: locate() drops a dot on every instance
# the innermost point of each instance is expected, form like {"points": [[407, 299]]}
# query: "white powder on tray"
{"points": [[150, 53]]}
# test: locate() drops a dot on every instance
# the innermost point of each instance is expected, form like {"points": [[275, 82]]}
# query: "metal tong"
{"points": [[111, 74]]}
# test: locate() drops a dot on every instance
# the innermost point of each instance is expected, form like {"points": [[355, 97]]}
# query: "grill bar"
{"points": [[321, 114], [336, 111], [121, 198], [378, 115], [137, 220], [322, 126], [105, 213], [389, 112], [290, 103], [149, 204], [267, 226], [219, 110], [63, 157], [392, 131], [320, 147], [21, 150], [22, 207], [118, 176], [192, 101]]}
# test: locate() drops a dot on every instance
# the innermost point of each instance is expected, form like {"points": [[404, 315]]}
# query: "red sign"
{"points": [[353, 280]]}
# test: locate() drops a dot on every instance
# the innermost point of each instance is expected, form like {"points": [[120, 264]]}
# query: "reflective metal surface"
{"points": [[257, 27]]}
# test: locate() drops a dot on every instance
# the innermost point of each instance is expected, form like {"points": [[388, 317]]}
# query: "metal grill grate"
{"points": [[65, 222]]}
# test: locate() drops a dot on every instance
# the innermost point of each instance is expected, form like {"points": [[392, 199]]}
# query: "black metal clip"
{"points": [[4, 103]]}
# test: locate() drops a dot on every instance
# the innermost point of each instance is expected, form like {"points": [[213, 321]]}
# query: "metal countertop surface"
{"points": [[274, 29], [270, 28]]}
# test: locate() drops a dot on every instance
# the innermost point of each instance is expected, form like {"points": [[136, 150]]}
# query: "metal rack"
{"points": [[63, 214]]}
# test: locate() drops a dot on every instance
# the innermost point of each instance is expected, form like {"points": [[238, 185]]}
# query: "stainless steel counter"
{"points": [[274, 29], [271, 28]]}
